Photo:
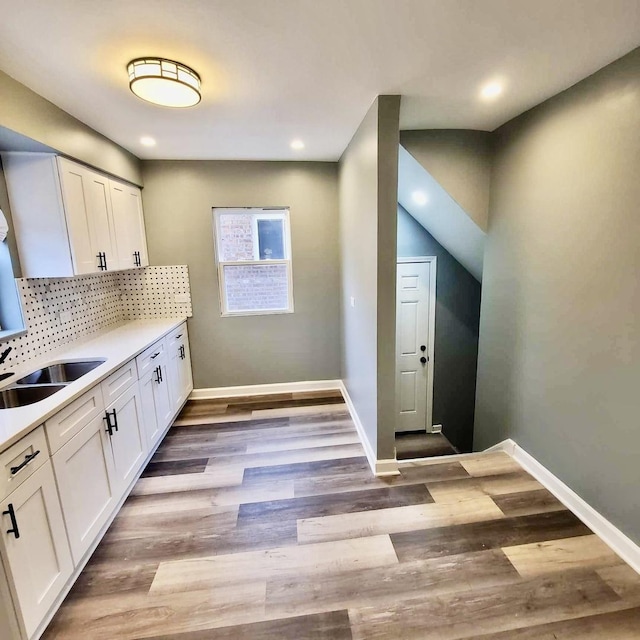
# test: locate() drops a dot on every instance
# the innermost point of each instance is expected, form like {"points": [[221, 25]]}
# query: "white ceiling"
{"points": [[274, 70]]}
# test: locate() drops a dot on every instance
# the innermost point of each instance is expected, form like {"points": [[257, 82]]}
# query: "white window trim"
{"points": [[270, 214]]}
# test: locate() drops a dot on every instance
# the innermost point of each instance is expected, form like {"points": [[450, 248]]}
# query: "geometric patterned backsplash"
{"points": [[62, 310]]}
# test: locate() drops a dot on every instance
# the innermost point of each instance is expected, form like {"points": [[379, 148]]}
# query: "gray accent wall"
{"points": [[559, 355], [178, 198], [456, 333], [368, 202], [460, 160], [29, 114]]}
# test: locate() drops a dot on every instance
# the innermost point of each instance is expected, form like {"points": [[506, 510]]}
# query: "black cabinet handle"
{"points": [[181, 351], [158, 372], [155, 355], [107, 418], [24, 463], [179, 336], [14, 523], [102, 261]]}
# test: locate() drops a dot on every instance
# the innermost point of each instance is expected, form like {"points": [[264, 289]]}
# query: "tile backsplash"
{"points": [[61, 310]]}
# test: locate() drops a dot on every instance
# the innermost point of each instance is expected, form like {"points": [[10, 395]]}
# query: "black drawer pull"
{"points": [[178, 336], [14, 523], [155, 355], [24, 463], [111, 427]]}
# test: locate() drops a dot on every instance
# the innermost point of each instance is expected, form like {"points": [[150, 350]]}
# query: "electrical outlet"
{"points": [[436, 428], [181, 298]]}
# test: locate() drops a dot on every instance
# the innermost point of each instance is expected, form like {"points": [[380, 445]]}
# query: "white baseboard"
{"points": [[628, 550], [265, 389], [388, 467]]}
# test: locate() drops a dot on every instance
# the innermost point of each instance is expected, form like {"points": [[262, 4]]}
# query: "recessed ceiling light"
{"points": [[420, 198], [147, 141], [491, 90], [297, 145], [164, 82]]}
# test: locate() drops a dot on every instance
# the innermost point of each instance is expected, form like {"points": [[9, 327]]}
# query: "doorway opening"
{"points": [[416, 435]]}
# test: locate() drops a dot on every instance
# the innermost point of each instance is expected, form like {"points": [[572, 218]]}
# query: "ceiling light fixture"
{"points": [[147, 141], [420, 198], [164, 82], [297, 145], [491, 90]]}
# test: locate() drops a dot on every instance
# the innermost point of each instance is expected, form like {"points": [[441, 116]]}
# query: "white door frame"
{"points": [[432, 330]]}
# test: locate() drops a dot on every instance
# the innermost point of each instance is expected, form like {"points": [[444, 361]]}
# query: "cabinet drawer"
{"points": [[146, 361], [117, 383], [16, 455], [73, 418], [177, 336]]}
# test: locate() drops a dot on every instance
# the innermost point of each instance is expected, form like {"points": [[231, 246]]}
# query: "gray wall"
{"points": [[456, 333], [559, 357], [27, 113], [368, 201], [460, 160], [178, 198]]}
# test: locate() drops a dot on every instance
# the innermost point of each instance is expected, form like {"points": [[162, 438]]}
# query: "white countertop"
{"points": [[116, 346]]}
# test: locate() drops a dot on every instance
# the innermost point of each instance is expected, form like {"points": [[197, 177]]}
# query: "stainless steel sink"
{"points": [[60, 373], [22, 396]]}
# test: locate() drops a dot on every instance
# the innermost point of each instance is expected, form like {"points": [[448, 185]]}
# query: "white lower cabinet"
{"points": [[180, 378], [34, 546], [86, 477], [156, 402], [125, 426]]}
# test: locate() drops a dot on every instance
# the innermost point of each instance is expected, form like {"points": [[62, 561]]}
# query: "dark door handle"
{"points": [[423, 348], [14, 523], [24, 463], [423, 360]]}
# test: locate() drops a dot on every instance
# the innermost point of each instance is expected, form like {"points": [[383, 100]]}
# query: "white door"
{"points": [[35, 545], [415, 312]]}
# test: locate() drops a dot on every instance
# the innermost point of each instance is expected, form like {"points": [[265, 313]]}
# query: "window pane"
{"points": [[235, 237], [271, 239], [256, 287]]}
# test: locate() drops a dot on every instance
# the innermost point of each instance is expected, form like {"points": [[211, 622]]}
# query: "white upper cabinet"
{"points": [[128, 220], [71, 220]]}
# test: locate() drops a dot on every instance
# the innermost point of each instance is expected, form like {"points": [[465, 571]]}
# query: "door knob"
{"points": [[423, 348], [423, 360]]}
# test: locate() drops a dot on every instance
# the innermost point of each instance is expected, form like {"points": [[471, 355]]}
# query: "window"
{"points": [[253, 252]]}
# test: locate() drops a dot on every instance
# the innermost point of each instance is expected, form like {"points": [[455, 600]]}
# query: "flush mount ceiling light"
{"points": [[164, 82], [148, 141], [297, 145]]}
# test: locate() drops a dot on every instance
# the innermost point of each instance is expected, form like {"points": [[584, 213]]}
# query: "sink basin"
{"points": [[62, 372], [22, 396]]}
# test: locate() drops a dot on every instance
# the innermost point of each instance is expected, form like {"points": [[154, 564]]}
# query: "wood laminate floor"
{"points": [[419, 444], [260, 519]]}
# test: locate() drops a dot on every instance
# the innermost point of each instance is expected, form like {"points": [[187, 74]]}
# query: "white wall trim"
{"points": [[628, 550], [388, 467], [213, 393]]}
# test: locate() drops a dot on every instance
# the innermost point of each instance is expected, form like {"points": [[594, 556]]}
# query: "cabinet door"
{"points": [[127, 438], [129, 225], [162, 395], [181, 380], [151, 423], [100, 214], [82, 232], [85, 473], [39, 560]]}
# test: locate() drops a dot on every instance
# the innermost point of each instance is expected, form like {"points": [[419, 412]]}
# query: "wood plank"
{"points": [[175, 467], [540, 558], [468, 614], [303, 442], [384, 585], [504, 532], [623, 580], [315, 470], [309, 560], [330, 625], [395, 520], [490, 464], [325, 505], [227, 476], [527, 502]]}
